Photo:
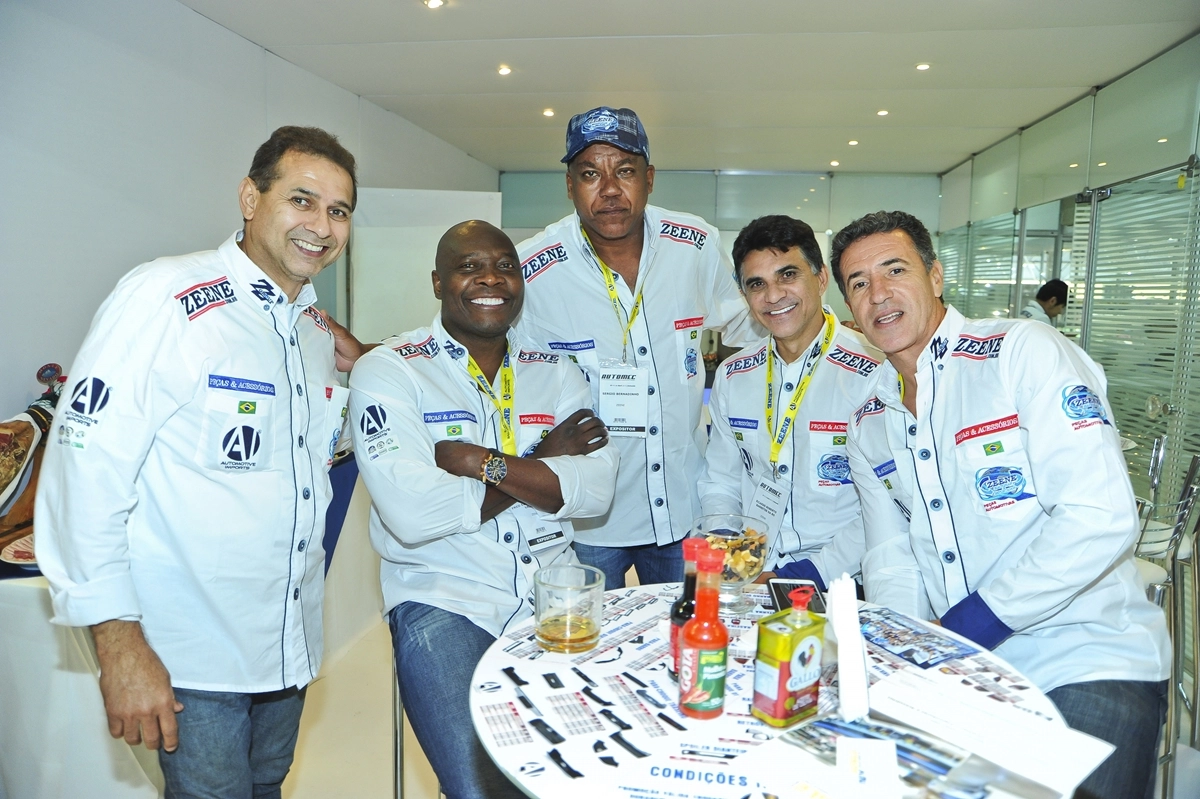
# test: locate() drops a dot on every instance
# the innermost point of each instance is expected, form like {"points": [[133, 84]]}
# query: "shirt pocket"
{"points": [[336, 399], [829, 467], [992, 461], [687, 348], [238, 433], [531, 429]]}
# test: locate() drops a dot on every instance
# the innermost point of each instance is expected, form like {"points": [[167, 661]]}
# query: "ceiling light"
{"points": [[922, 67], [1102, 163], [881, 113], [828, 231], [853, 142], [1072, 166], [805, 199], [1162, 141], [504, 69], [835, 163], [822, 177], [549, 112], [812, 189], [434, 3]]}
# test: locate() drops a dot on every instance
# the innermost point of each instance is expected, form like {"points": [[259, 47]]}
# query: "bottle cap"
{"points": [[800, 596], [710, 560], [692, 547]]}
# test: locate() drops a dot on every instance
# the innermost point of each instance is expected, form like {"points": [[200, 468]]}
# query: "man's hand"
{"points": [[580, 433], [136, 687], [346, 348]]}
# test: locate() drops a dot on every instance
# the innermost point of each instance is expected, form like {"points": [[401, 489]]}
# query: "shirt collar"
{"points": [[254, 280], [649, 242], [456, 351], [812, 351], [937, 351]]}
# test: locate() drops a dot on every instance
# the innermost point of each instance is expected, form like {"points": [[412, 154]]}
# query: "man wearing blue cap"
{"points": [[624, 289]]}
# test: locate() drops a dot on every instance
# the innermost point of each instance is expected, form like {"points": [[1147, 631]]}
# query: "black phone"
{"points": [[780, 588]]}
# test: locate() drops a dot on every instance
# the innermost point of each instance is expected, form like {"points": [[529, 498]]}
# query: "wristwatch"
{"points": [[493, 469]]}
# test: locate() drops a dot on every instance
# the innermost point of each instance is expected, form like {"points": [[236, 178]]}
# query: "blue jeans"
{"points": [[654, 564], [232, 746], [1129, 715], [436, 654]]}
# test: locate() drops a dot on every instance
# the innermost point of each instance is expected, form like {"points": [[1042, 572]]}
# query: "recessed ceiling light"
{"points": [[1162, 141], [853, 142], [805, 199], [434, 3], [812, 189], [828, 231], [1102, 163], [1072, 166], [505, 69], [881, 113], [922, 67], [822, 177], [549, 112], [835, 163]]}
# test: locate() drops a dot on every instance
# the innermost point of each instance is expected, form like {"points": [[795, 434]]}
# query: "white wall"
{"points": [[125, 127]]}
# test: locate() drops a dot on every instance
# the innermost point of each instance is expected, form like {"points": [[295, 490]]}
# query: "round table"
{"points": [[606, 722]]}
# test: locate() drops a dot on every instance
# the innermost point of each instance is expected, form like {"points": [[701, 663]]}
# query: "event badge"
{"points": [[540, 533], [770, 502], [624, 400]]}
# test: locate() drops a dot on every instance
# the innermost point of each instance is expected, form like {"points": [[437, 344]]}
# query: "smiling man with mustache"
{"points": [[477, 448], [625, 289]]}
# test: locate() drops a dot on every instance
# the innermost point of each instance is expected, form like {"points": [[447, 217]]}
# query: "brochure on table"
{"points": [[607, 723]]}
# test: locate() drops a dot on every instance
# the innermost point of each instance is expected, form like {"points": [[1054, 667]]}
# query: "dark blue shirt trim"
{"points": [[801, 570], [972, 618]]}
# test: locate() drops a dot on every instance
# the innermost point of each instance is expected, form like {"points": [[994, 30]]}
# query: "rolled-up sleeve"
{"points": [[416, 500], [587, 482]]}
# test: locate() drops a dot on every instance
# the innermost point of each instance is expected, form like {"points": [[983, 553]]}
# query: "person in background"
{"points": [[624, 289], [183, 494], [1051, 300], [780, 408], [477, 449], [996, 500]]}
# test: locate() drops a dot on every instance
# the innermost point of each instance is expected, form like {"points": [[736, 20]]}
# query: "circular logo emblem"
{"points": [[747, 461], [600, 122], [89, 396], [1080, 402], [374, 420], [834, 467], [999, 482], [241, 443], [689, 361]]}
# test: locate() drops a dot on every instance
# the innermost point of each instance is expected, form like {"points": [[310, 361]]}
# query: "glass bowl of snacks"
{"points": [[744, 541]]}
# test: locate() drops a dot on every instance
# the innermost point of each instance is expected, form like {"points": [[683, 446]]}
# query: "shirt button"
{"points": [[783, 469], [508, 537], [923, 454], [301, 441], [656, 467], [306, 493], [526, 559], [658, 502], [936, 504], [912, 429], [300, 547], [293, 341], [653, 430], [650, 390], [641, 350], [266, 307], [948, 556], [300, 389], [788, 386], [941, 366], [296, 594]]}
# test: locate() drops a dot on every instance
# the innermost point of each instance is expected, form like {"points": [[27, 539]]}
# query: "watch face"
{"points": [[495, 470]]}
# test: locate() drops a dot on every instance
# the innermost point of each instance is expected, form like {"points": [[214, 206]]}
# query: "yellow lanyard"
{"points": [[779, 437], [610, 283], [900, 385], [503, 403]]}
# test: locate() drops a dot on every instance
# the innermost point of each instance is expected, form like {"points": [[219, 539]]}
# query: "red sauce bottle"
{"points": [[685, 607], [703, 644]]}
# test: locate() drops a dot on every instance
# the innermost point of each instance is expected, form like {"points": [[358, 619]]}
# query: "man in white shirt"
{"points": [[994, 494], [182, 500], [780, 407], [624, 289], [1050, 301], [477, 449]]}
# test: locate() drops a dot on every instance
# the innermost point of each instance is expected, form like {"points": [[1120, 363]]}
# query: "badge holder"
{"points": [[624, 398]]}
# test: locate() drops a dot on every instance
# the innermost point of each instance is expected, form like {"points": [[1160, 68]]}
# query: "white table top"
{"points": [[629, 669]]}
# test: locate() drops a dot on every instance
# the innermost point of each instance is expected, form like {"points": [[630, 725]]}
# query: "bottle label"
{"points": [[701, 679], [806, 664]]}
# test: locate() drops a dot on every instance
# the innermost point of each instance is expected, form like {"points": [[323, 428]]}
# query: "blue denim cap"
{"points": [[619, 127]]}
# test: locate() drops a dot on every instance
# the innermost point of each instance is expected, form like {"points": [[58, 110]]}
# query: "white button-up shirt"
{"points": [[822, 522], [185, 481], [1005, 505], [425, 523], [687, 286]]}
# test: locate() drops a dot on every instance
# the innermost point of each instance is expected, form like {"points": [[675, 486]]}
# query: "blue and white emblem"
{"points": [[690, 362], [1000, 486], [603, 121], [1083, 407], [834, 468]]}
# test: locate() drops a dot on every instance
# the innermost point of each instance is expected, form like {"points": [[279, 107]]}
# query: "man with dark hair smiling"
{"points": [[624, 289], [780, 408], [477, 449], [182, 502], [995, 497]]}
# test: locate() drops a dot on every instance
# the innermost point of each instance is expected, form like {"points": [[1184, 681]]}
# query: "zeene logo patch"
{"points": [[684, 234], [203, 297], [532, 356], [542, 260], [746, 364], [315, 315], [852, 361], [427, 348], [978, 349]]}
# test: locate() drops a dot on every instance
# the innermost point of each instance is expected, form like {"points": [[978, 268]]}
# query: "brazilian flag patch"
{"points": [[738, 436], [887, 483], [839, 441], [454, 429], [993, 448], [247, 407]]}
